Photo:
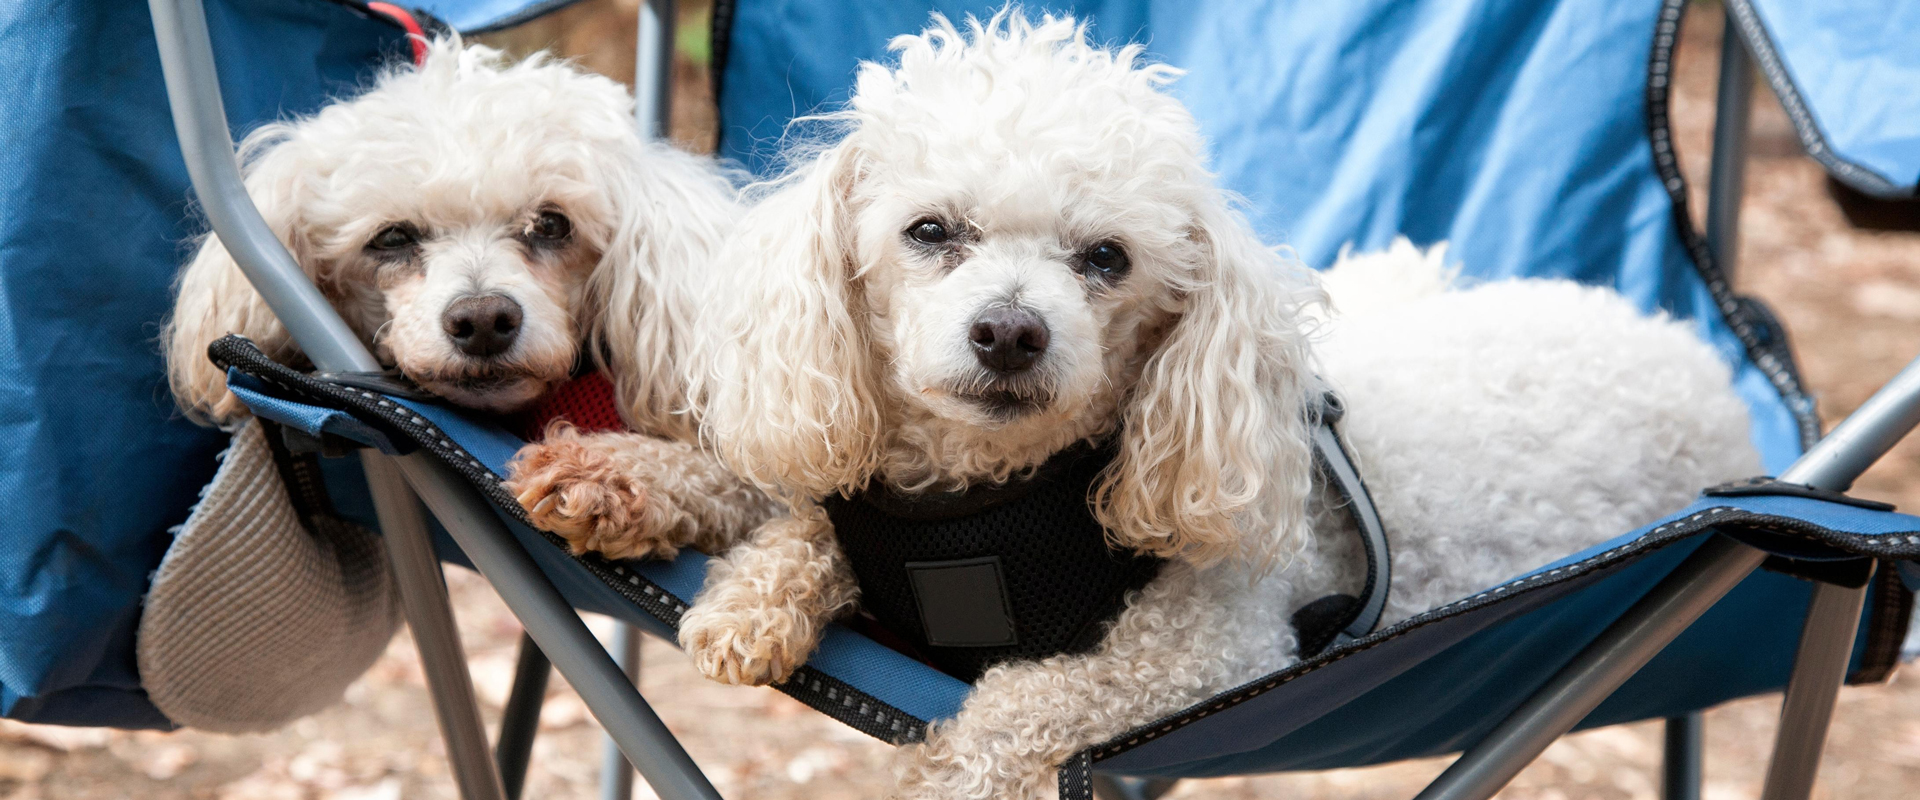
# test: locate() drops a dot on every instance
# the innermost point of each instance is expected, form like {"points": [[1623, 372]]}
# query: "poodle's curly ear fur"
{"points": [[675, 212], [795, 401], [214, 298], [1216, 452]]}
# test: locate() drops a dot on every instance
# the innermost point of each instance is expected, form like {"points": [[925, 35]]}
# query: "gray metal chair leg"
{"points": [[558, 629], [616, 775], [1626, 646], [1116, 787], [1819, 669], [1732, 119], [1682, 764], [423, 595], [520, 721]]}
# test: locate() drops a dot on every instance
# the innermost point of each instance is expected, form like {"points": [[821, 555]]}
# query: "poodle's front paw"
{"points": [[745, 645], [582, 494]]}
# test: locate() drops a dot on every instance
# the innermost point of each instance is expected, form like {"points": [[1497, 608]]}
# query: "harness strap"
{"points": [[1339, 618]]}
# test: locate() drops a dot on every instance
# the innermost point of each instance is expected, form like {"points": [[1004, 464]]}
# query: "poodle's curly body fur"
{"points": [[1498, 426]]}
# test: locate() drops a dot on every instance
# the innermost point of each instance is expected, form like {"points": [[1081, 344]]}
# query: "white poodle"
{"points": [[1017, 247], [486, 227], [481, 225]]}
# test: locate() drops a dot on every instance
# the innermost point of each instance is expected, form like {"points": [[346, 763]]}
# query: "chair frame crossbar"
{"points": [[556, 634]]}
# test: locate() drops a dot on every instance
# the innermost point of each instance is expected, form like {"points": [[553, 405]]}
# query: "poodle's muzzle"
{"points": [[1008, 344], [484, 326]]}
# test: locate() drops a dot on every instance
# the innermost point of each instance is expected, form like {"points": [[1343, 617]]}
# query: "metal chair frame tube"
{"points": [[520, 720], [423, 595], [206, 143], [1682, 765], [1732, 120], [558, 629], [616, 775]]}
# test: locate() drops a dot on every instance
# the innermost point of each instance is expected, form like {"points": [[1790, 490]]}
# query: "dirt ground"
{"points": [[1851, 297]]}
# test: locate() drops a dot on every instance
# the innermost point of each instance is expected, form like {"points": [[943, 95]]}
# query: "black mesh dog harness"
{"points": [[1022, 570], [1019, 570]]}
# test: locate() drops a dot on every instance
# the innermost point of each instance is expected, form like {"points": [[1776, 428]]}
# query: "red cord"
{"points": [[415, 34]]}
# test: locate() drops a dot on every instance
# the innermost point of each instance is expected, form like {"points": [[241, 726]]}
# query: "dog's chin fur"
{"points": [[843, 364], [468, 153], [492, 392]]}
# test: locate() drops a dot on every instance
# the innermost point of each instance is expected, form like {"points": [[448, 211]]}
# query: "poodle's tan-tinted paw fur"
{"points": [[583, 494], [743, 646], [767, 602]]}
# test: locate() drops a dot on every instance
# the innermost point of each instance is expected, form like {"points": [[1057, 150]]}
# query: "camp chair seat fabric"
{"points": [[1428, 685]]}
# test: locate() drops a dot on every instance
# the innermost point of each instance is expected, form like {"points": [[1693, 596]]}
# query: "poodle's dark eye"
{"points": [[394, 237], [1106, 259], [928, 231], [551, 226]]}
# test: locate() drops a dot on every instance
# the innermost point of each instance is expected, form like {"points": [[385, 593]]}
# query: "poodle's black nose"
{"points": [[482, 326], [1008, 339]]}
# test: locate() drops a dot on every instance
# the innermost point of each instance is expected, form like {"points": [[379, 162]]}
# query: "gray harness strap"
{"points": [[1346, 617]]}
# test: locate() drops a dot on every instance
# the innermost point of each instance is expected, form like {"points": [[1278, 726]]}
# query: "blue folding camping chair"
{"points": [[1532, 136]]}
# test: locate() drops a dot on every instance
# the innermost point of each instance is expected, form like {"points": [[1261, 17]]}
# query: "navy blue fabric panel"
{"points": [[1853, 66], [94, 221], [1514, 129]]}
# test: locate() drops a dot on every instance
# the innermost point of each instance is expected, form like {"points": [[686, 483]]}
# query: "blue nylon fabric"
{"points": [[1514, 129], [94, 221], [472, 16], [1855, 65], [312, 420]]}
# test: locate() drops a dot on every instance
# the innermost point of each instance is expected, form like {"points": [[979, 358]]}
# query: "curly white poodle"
{"points": [[481, 224], [1015, 247]]}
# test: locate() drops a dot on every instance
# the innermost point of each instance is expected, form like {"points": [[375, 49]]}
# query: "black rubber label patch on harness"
{"points": [[963, 602]]}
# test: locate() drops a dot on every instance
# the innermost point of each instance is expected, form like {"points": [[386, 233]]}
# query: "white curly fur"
{"points": [[469, 149], [1498, 426]]}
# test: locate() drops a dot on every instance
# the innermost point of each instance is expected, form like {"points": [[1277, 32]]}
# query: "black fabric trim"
{"points": [[1076, 778], [720, 30], [824, 693], [1886, 547], [1753, 31], [1755, 326], [1766, 486], [1892, 606]]}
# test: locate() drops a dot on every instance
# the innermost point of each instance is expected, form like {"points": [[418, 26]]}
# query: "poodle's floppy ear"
{"points": [[1216, 451], [214, 298], [675, 211], [794, 404]]}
